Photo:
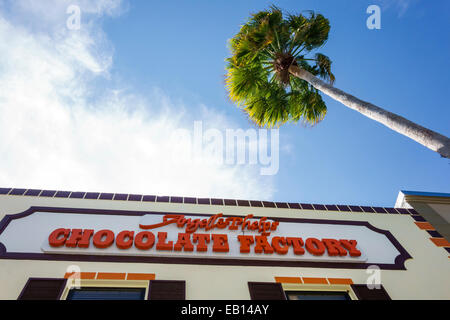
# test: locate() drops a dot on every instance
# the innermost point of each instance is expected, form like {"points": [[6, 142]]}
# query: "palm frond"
{"points": [[258, 78], [323, 66]]}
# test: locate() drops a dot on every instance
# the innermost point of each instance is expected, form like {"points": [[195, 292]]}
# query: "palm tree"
{"points": [[274, 77]]}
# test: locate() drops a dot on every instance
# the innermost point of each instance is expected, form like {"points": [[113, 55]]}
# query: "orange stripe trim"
{"points": [[340, 281], [440, 242], [111, 276], [315, 280], [424, 225], [288, 280], [80, 275], [141, 276]]}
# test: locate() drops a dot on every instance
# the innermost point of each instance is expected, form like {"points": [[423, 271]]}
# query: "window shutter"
{"points": [[364, 293], [43, 289], [266, 291], [167, 290]]}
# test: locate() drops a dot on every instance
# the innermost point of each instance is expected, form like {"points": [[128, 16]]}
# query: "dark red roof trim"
{"points": [[204, 201]]}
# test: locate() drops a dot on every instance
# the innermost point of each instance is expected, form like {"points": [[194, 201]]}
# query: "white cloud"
{"points": [[59, 131], [400, 5]]}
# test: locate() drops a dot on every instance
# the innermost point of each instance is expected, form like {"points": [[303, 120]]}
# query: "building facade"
{"points": [[85, 245]]}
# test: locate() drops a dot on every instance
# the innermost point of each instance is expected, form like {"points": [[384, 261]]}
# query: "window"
{"points": [[317, 295], [95, 293]]}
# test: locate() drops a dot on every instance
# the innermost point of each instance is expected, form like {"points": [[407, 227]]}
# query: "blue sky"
{"points": [[167, 57]]}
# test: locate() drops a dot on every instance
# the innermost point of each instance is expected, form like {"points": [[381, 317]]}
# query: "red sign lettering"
{"points": [[189, 241]]}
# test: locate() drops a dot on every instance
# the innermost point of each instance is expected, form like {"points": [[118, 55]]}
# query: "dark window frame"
{"points": [[153, 289], [143, 292], [363, 292], [266, 291], [318, 292], [58, 293]]}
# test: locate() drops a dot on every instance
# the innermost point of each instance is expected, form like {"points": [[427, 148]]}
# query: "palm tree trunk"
{"points": [[424, 136]]}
